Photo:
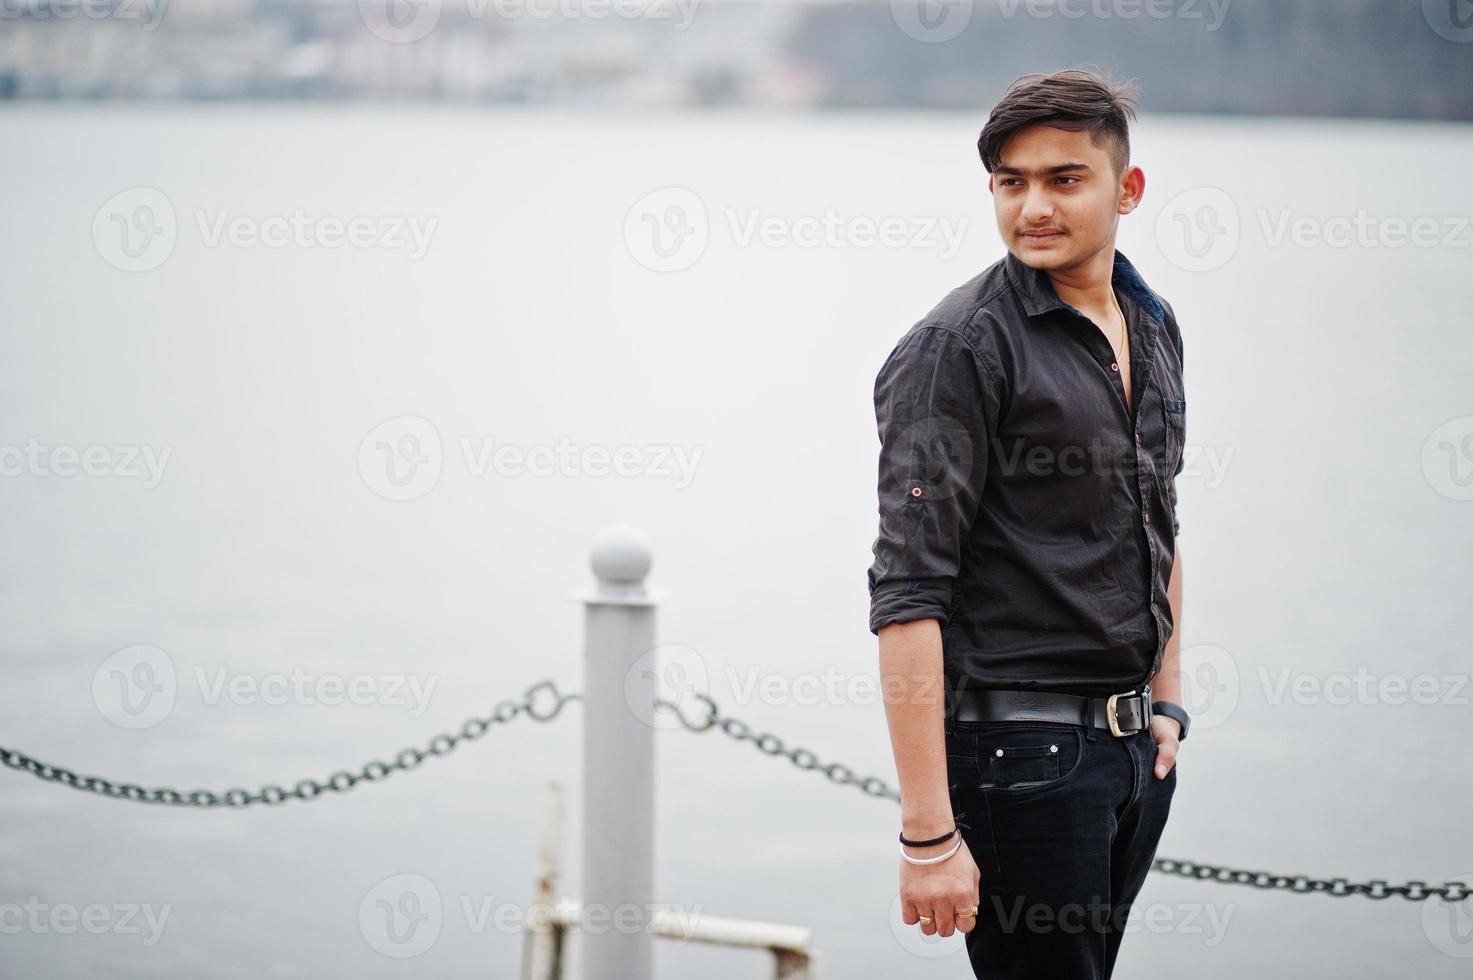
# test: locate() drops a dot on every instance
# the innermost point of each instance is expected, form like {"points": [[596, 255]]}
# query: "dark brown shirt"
{"points": [[1022, 503]]}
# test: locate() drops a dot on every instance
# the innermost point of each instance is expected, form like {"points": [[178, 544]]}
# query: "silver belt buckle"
{"points": [[1113, 719]]}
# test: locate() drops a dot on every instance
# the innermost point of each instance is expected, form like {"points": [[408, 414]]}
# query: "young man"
{"points": [[1026, 567]]}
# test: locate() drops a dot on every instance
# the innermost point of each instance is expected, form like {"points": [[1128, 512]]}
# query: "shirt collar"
{"points": [[1039, 296]]}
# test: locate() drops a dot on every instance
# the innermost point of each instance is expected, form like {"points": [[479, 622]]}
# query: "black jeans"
{"points": [[1063, 822]]}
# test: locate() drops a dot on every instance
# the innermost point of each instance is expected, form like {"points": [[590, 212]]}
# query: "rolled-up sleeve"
{"points": [[935, 407]]}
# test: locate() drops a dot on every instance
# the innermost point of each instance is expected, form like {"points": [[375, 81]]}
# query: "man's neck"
{"points": [[1088, 287]]}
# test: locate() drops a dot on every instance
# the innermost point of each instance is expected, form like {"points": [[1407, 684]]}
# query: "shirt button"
{"points": [[1146, 518], [1114, 366], [1137, 438], [915, 491]]}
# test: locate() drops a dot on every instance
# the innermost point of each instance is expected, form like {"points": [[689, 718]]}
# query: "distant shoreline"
{"points": [[1297, 59]]}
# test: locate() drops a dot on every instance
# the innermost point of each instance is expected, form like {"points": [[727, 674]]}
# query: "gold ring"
{"points": [[967, 912], [926, 920]]}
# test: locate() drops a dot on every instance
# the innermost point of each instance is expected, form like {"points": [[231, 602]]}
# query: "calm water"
{"points": [[1322, 532]]}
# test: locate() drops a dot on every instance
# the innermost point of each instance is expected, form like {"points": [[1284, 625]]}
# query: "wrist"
{"points": [[1176, 713], [926, 826]]}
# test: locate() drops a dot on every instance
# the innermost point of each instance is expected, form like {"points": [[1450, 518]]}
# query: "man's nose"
{"points": [[1037, 207]]}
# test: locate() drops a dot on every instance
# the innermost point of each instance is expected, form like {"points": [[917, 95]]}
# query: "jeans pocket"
{"points": [[1024, 758]]}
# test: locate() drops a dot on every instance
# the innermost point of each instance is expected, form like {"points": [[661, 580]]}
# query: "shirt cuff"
{"points": [[909, 600]]}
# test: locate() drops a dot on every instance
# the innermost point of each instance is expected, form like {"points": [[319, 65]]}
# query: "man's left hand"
{"points": [[1166, 732]]}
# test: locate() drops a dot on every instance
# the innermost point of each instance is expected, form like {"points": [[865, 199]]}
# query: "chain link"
{"points": [[549, 705], [541, 702]]}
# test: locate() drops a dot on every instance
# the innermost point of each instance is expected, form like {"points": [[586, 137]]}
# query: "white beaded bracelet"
{"points": [[935, 860]]}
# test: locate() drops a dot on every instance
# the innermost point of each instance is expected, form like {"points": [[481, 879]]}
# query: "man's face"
{"points": [[1057, 198]]}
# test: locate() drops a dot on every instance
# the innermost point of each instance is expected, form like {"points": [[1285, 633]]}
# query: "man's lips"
{"points": [[1042, 234]]}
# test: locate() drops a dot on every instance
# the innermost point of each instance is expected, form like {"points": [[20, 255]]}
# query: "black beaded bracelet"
{"points": [[927, 843]]}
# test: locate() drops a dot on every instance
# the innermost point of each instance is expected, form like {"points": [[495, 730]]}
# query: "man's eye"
{"points": [[1068, 178]]}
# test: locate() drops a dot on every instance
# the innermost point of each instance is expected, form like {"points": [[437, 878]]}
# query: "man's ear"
{"points": [[1133, 188], [989, 185]]}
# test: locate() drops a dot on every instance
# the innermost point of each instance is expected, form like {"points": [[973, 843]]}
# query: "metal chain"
{"points": [[1452, 891], [772, 745], [544, 708], [1416, 891], [767, 743]]}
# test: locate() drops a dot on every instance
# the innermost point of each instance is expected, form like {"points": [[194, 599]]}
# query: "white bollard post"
{"points": [[618, 762]]}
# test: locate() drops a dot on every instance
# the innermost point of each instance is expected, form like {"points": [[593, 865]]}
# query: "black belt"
{"points": [[1122, 714]]}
